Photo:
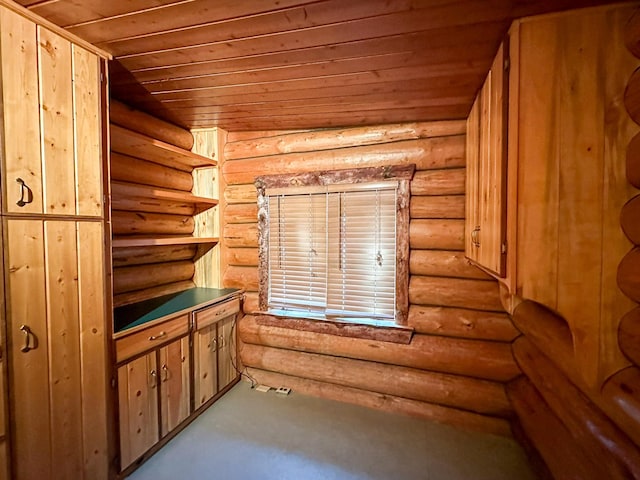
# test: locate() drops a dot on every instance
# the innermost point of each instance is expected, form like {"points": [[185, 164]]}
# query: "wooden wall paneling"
{"points": [[241, 277], [207, 224], [138, 400], [241, 213], [428, 153], [551, 438], [462, 323], [151, 292], [64, 346], [175, 380], [132, 119], [292, 142], [95, 368], [445, 206], [614, 453], [132, 223], [127, 279], [20, 94], [246, 257], [439, 182], [444, 263], [630, 220], [240, 194], [57, 143], [628, 277], [29, 377], [455, 292], [488, 360], [633, 161], [552, 214], [437, 234], [479, 396], [390, 403], [131, 256], [134, 170], [87, 131], [629, 335]]}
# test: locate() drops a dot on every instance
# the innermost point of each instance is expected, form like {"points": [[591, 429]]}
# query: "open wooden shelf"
{"points": [[139, 241], [135, 144], [141, 192]]}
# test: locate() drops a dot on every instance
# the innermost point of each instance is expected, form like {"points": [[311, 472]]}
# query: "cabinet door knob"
{"points": [[214, 344], [28, 335], [474, 237], [154, 378], [164, 374], [26, 195]]}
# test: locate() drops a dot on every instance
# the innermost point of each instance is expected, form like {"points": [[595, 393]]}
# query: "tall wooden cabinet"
{"points": [[54, 282], [485, 227]]}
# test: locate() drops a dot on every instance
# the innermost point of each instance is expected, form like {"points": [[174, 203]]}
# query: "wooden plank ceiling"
{"points": [[285, 64]]}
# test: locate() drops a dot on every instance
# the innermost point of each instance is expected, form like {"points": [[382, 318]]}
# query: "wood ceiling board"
{"points": [[71, 12], [289, 19], [345, 119], [173, 16], [323, 35], [471, 43]]}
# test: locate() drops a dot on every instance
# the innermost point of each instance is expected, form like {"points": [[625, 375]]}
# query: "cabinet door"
{"points": [[22, 165], [57, 355], [205, 346], [51, 94], [175, 392], [226, 351], [485, 224], [138, 383]]}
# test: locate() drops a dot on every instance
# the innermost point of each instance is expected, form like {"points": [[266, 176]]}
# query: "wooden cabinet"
{"points": [[154, 391], [214, 350], [485, 227], [178, 363], [54, 288]]}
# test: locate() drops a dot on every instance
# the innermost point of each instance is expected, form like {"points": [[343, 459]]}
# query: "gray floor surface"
{"points": [[253, 435]]}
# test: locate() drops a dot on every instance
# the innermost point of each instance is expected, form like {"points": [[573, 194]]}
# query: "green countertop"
{"points": [[136, 314]]}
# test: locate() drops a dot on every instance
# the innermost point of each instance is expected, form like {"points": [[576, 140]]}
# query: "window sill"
{"points": [[351, 328]]}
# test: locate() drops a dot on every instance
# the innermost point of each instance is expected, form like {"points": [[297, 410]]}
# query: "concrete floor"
{"points": [[248, 434]]}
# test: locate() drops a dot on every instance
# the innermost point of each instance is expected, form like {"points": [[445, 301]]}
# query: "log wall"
{"points": [[459, 358], [140, 273]]}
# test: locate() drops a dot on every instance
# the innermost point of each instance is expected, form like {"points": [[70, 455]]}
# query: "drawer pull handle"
{"points": [[28, 334], [158, 336], [24, 188]]}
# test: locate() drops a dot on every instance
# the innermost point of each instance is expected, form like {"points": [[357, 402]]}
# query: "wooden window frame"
{"points": [[402, 174]]}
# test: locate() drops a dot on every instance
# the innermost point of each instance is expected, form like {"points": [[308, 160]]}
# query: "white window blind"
{"points": [[334, 252]]}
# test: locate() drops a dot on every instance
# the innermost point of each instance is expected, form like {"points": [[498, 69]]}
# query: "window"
{"points": [[334, 245]]}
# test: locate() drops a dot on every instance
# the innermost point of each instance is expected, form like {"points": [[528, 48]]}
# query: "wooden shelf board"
{"points": [[137, 145], [145, 191], [122, 242]]}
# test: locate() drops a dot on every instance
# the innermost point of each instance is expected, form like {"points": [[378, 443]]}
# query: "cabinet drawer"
{"points": [[151, 337], [214, 313]]}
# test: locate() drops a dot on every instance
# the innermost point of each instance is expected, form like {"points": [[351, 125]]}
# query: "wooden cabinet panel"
{"points": [[486, 171], [87, 131], [226, 351], [214, 313], [56, 111], [175, 392], [29, 376], [55, 304], [205, 347], [151, 337], [138, 399], [21, 156]]}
